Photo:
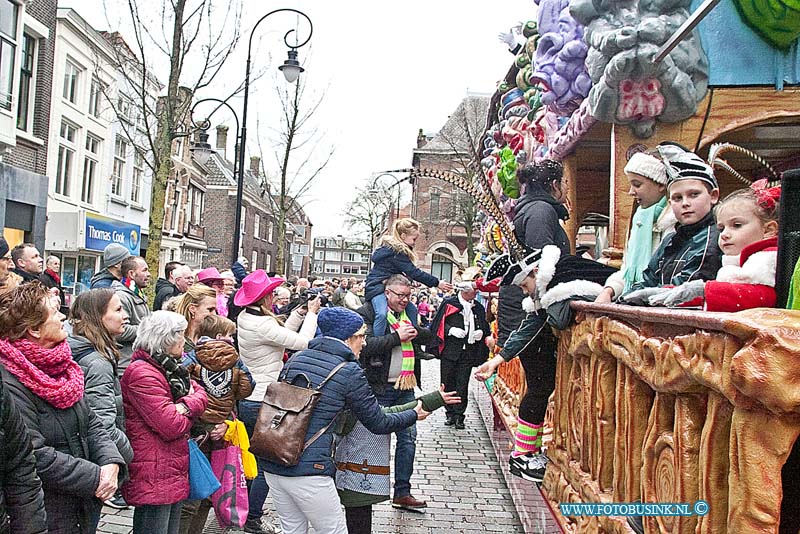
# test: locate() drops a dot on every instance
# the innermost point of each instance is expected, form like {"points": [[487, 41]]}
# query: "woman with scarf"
{"points": [[76, 460], [195, 305], [161, 404]]}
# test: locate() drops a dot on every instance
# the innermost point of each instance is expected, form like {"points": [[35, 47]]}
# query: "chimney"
{"points": [[222, 139], [421, 139], [255, 165]]}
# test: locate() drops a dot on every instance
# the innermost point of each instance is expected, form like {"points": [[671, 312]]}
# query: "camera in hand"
{"points": [[303, 298]]}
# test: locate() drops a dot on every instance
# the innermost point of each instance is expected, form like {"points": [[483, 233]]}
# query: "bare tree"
{"points": [[368, 212], [300, 153], [190, 39]]}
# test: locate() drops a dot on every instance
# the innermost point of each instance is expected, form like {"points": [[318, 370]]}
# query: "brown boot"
{"points": [[408, 502]]}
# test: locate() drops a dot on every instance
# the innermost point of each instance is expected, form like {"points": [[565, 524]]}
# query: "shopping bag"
{"points": [[202, 481], [237, 435], [230, 501]]}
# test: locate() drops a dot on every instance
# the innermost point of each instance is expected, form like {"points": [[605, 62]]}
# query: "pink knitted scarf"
{"points": [[50, 374]]}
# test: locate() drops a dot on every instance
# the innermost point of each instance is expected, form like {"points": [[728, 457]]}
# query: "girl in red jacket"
{"points": [[748, 227]]}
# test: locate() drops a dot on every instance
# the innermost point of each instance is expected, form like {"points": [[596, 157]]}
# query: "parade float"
{"points": [[654, 405]]}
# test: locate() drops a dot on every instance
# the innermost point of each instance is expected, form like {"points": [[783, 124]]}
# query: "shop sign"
{"points": [[102, 231]]}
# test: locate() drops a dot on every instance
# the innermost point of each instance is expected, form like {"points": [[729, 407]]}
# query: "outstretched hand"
{"points": [[421, 413], [449, 397]]}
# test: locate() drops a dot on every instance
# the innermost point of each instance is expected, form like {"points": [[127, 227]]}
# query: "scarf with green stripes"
{"points": [[406, 380]]}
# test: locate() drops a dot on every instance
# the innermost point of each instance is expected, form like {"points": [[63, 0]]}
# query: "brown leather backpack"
{"points": [[283, 420]]}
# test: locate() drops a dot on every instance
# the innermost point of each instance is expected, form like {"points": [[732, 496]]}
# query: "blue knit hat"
{"points": [[339, 322]]}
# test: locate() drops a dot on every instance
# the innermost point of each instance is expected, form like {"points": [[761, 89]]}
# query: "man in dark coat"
{"points": [[52, 280], [460, 326], [166, 287], [21, 496], [382, 360], [28, 262]]}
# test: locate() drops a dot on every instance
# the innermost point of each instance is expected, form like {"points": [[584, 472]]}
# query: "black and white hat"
{"points": [[682, 164], [510, 271]]}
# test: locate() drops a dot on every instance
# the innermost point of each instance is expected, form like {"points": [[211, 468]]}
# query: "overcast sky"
{"points": [[386, 69]]}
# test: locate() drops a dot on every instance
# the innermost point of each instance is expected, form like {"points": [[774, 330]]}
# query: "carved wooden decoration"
{"points": [[673, 406]]}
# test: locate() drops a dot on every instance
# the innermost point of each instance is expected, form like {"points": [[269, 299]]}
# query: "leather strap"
{"points": [[324, 429], [363, 469]]}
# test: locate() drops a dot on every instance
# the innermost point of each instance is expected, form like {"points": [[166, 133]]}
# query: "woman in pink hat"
{"points": [[211, 277], [263, 338]]}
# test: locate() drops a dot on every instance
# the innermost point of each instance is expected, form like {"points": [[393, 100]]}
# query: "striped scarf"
{"points": [[131, 284], [406, 380]]}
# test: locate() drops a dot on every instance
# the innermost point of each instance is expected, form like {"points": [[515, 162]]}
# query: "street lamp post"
{"points": [[291, 70], [397, 182]]}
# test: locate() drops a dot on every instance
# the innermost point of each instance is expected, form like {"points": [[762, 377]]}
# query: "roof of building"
{"points": [[467, 123]]}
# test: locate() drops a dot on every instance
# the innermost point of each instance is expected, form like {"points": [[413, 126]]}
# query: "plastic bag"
{"points": [[237, 436]]}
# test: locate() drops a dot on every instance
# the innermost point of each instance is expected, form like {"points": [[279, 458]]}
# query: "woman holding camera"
{"points": [[263, 338]]}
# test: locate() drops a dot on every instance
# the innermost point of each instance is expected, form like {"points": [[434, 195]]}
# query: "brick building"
{"points": [[437, 205], [28, 32]]}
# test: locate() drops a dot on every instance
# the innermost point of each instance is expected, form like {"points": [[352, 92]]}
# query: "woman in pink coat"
{"points": [[161, 404]]}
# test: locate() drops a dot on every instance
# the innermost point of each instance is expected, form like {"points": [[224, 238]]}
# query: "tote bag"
{"points": [[202, 481], [230, 500]]}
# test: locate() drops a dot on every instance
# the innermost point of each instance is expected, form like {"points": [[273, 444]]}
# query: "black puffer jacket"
{"points": [[537, 222], [70, 445], [21, 496], [165, 290]]}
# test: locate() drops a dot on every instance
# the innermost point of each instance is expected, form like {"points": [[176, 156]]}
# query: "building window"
{"points": [[333, 255], [270, 228], [176, 206], [441, 266], [353, 257], [254, 260], [242, 221], [66, 155], [95, 97], [8, 47], [26, 82], [120, 159], [319, 254], [71, 75], [257, 227], [124, 108], [178, 147], [268, 262], [136, 180], [433, 211], [319, 242], [196, 198], [90, 169], [331, 268]]}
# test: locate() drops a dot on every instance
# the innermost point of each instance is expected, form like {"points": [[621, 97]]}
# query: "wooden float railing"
{"points": [[675, 406]]}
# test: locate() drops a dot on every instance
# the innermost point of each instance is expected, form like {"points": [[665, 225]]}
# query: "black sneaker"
{"points": [[254, 526], [116, 502], [529, 466], [460, 423], [450, 421]]}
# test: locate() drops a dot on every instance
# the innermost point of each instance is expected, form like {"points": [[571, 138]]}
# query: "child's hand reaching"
{"points": [[444, 285]]}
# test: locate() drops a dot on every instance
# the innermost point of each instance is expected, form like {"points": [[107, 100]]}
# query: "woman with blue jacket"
{"points": [[305, 494]]}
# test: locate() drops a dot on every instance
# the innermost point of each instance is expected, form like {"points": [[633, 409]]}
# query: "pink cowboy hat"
{"points": [[255, 286], [208, 275]]}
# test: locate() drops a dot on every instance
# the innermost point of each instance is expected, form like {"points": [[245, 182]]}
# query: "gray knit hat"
{"points": [[114, 253]]}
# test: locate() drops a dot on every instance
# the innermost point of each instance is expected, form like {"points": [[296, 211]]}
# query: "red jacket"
{"points": [[751, 284], [159, 473]]}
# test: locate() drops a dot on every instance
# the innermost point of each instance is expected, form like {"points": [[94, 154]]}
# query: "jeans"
{"points": [[406, 446], [381, 307], [157, 519], [258, 490]]}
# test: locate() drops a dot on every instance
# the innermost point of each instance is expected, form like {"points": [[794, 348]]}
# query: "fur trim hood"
{"points": [[758, 263], [566, 290], [547, 267]]}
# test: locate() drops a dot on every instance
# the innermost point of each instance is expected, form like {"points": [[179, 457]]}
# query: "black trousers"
{"points": [[455, 377], [540, 377], [359, 519]]}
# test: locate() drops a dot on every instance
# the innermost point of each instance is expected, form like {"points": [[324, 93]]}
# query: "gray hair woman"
{"points": [[161, 404]]}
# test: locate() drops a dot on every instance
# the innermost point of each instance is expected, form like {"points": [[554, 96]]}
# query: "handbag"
{"points": [[230, 501], [237, 435], [202, 481], [280, 431]]}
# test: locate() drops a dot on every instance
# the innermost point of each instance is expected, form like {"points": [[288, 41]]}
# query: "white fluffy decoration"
{"points": [[575, 288], [758, 269], [547, 267]]}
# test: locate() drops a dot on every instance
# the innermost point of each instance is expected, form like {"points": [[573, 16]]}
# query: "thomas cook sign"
{"points": [[102, 231]]}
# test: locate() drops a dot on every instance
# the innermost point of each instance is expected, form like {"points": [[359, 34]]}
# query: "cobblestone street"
{"points": [[456, 471]]}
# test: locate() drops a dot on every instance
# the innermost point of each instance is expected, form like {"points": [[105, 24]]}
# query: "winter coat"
{"points": [[452, 348], [159, 473], [136, 308], [376, 356], [537, 222], [239, 272], [21, 496], [102, 391], [102, 279], [216, 366], [70, 446], [262, 342], [386, 261], [27, 277], [165, 290], [664, 226], [750, 284], [691, 253], [362, 458], [347, 389], [533, 336]]}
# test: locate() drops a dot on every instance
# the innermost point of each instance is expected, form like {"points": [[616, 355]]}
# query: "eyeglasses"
{"points": [[401, 296], [6, 258]]}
